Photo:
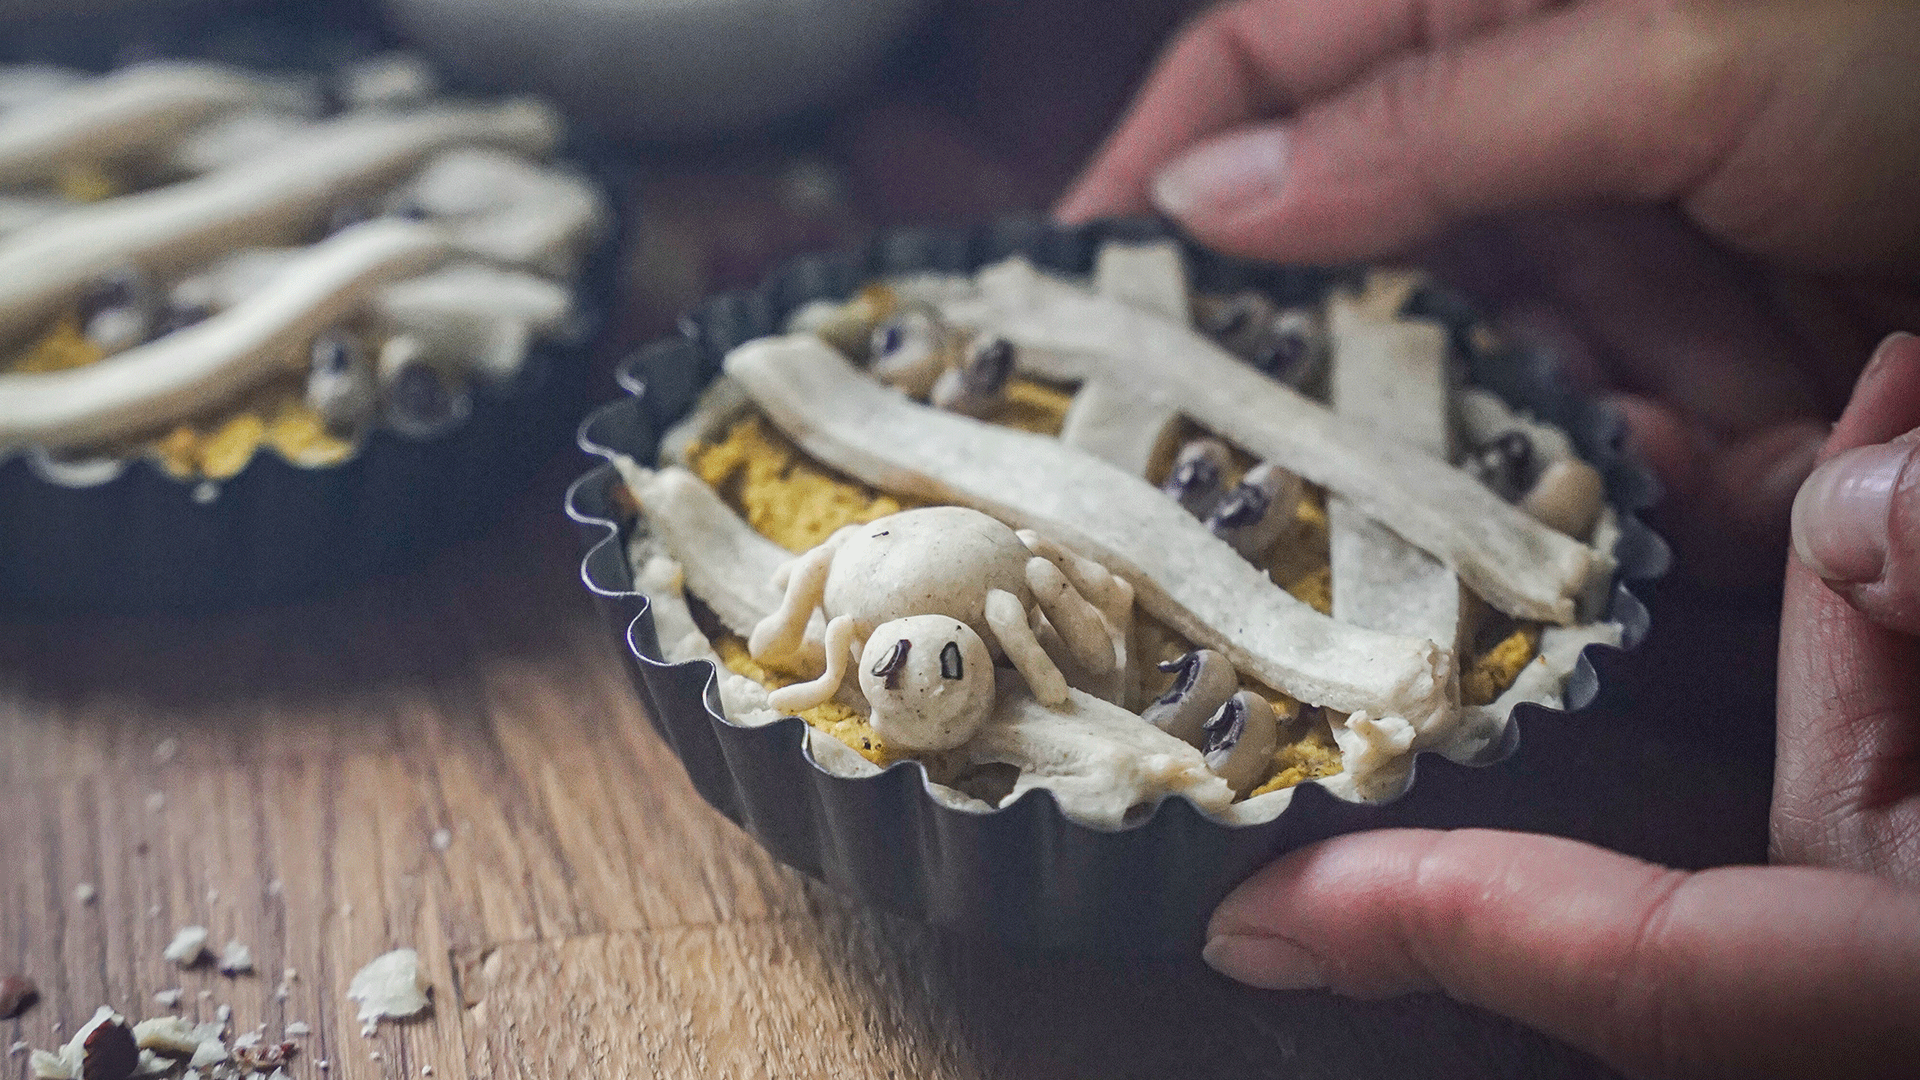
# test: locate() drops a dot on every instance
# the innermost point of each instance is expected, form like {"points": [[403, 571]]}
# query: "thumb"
{"points": [[1741, 971], [1594, 102], [1856, 521]]}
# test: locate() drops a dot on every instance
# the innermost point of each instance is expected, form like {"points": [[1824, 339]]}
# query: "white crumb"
{"points": [[167, 1034], [442, 839], [189, 946], [323, 1064], [276, 887], [247, 1041], [390, 986], [17, 1049], [46, 1065], [168, 749], [297, 1029], [167, 999], [156, 802], [213, 896], [373, 1055], [209, 1052], [236, 959], [205, 994], [84, 892]]}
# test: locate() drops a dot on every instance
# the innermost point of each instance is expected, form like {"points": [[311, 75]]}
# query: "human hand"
{"points": [[1753, 161], [1743, 971]]}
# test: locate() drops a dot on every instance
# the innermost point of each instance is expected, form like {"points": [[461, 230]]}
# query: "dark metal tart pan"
{"points": [[144, 540], [1023, 874]]}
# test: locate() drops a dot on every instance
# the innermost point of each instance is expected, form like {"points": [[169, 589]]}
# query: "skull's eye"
{"points": [[951, 666], [891, 664]]}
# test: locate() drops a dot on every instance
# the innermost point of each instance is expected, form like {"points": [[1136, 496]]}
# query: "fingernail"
{"points": [[1784, 481], [1225, 175], [1888, 348], [1270, 963], [1841, 515]]}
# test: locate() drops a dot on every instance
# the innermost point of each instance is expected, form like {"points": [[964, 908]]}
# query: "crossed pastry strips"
{"points": [[1406, 522]]}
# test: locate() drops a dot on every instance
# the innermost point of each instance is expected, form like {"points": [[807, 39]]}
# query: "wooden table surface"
{"points": [[283, 776]]}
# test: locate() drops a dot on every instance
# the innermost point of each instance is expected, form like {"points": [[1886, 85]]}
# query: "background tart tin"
{"points": [[145, 540], [1023, 874]]}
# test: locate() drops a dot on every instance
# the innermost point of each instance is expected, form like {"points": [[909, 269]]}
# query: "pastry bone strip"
{"points": [[506, 208], [728, 565], [1097, 758], [1107, 419], [1183, 574], [1517, 564], [115, 115], [1146, 277], [20, 211], [262, 201], [1391, 373], [209, 362], [662, 581], [478, 315]]}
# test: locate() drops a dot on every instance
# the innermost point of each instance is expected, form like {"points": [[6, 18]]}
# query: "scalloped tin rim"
{"points": [[727, 761]]}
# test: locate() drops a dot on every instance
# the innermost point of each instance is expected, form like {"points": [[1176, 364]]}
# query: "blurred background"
{"points": [[752, 129]]}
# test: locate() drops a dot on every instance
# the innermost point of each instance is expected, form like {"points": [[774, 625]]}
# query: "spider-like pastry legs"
{"points": [[779, 636], [1007, 618], [842, 647]]}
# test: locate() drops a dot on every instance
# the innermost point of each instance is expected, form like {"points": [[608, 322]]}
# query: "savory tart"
{"points": [[198, 262], [1118, 541]]}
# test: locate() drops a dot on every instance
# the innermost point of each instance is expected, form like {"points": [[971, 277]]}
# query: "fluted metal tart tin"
{"points": [[134, 538], [1024, 873]]}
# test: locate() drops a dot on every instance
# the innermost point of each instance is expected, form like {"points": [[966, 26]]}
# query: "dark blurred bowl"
{"points": [[665, 67]]}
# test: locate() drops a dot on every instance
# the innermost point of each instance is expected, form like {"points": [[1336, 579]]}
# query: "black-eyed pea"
{"points": [[910, 350], [1194, 482], [1504, 464], [1203, 681], [1255, 514], [340, 381], [976, 387], [1241, 739], [1568, 497]]}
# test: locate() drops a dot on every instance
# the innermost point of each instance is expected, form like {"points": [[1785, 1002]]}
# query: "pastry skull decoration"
{"points": [[925, 601]]}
